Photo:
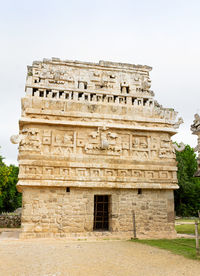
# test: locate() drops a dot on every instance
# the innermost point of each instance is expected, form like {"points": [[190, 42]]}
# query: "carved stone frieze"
{"points": [[30, 140], [166, 147], [111, 174], [103, 141], [99, 141], [71, 81]]}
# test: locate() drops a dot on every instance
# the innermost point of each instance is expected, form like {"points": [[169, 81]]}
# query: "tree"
{"points": [[4, 174], [10, 198], [187, 197]]}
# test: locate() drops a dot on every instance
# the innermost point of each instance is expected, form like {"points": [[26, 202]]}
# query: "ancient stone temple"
{"points": [[195, 128], [95, 152]]}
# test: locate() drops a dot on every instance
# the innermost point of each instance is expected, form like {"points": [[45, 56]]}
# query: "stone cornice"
{"points": [[24, 121], [91, 184], [102, 64]]}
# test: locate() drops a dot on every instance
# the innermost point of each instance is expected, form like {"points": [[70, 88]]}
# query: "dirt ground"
{"points": [[85, 258]]}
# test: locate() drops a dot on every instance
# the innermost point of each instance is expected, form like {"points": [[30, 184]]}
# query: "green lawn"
{"points": [[184, 247], [186, 229], [186, 219]]}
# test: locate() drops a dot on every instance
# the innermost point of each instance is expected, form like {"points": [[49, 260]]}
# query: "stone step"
{"points": [[10, 233]]}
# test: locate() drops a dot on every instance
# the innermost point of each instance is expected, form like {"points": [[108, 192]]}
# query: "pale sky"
{"points": [[161, 34]]}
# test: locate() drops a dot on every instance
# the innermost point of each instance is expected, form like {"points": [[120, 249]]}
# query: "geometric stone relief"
{"points": [[68, 173], [58, 142], [99, 141], [89, 78], [140, 142], [103, 142], [129, 87], [30, 139], [166, 147], [62, 142]]}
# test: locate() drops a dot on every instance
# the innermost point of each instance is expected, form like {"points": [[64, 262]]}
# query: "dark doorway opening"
{"points": [[101, 212]]}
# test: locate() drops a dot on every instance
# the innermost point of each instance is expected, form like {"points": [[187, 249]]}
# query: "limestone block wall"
{"points": [[54, 212]]}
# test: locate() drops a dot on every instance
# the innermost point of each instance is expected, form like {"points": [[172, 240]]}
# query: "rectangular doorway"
{"points": [[101, 212]]}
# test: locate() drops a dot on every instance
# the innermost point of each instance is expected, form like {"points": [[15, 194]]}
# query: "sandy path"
{"points": [[64, 258]]}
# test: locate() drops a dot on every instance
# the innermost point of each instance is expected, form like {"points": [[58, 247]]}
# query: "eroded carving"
{"points": [[196, 123], [15, 139], [103, 141], [178, 123], [166, 148], [179, 147], [30, 140]]}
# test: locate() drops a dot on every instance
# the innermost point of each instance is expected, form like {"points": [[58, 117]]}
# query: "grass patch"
{"points": [[184, 247], [185, 220], [185, 229]]}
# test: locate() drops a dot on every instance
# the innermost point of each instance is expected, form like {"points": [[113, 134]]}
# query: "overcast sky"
{"points": [[162, 34]]}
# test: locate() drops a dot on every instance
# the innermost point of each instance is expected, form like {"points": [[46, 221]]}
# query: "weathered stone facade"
{"points": [[51, 212], [90, 130], [195, 128]]}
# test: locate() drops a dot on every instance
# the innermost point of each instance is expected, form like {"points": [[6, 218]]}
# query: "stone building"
{"points": [[95, 152], [195, 128]]}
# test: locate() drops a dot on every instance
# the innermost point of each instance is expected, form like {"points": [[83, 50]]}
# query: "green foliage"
{"points": [[4, 175], [187, 197], [184, 247], [10, 198], [185, 229], [182, 220], [187, 164]]}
